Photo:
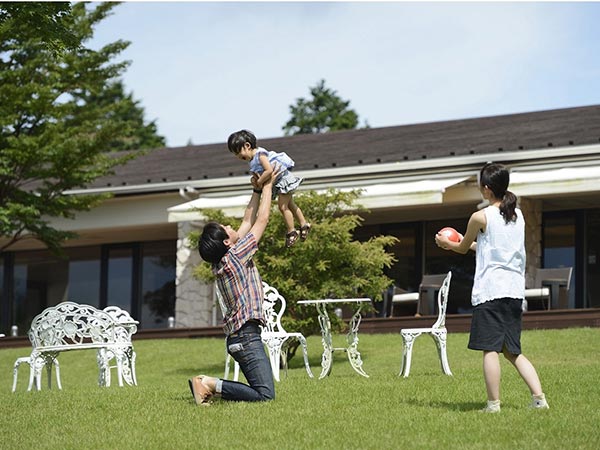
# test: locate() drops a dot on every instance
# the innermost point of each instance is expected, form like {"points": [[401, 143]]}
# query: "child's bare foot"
{"points": [[291, 238], [304, 229]]}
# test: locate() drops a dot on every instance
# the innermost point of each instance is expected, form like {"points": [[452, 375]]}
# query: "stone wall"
{"points": [[532, 212], [195, 305]]}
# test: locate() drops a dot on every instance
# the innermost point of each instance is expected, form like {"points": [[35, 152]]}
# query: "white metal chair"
{"points": [[437, 332], [273, 335]]}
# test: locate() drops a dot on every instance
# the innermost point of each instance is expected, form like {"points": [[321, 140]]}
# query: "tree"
{"points": [[324, 112], [62, 111], [329, 264], [135, 134]]}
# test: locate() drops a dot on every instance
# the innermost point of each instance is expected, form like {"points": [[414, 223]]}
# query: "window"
{"points": [[119, 275], [84, 275], [592, 299], [138, 277], [559, 244], [158, 284], [40, 280]]}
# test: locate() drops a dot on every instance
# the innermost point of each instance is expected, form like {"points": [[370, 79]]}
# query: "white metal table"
{"points": [[352, 337]]}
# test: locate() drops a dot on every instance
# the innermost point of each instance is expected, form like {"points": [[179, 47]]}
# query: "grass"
{"points": [[344, 411]]}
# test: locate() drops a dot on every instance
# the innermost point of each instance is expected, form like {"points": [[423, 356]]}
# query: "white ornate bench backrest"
{"points": [[69, 323], [128, 326]]}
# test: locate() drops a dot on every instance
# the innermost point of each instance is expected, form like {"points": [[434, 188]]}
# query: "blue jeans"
{"points": [[246, 347]]}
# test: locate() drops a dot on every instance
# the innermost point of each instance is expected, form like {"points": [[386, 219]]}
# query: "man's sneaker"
{"points": [[493, 406], [539, 402], [201, 393]]}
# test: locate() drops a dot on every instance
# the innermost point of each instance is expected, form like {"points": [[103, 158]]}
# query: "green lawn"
{"points": [[344, 411]]}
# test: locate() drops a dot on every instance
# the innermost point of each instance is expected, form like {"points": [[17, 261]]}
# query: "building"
{"points": [[132, 251]]}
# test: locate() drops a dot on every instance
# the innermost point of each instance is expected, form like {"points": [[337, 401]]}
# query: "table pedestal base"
{"points": [[327, 341]]}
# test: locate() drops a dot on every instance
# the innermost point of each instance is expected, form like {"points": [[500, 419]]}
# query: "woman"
{"points": [[499, 284]]}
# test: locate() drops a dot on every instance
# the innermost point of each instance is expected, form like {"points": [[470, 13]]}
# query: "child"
{"points": [[499, 284], [243, 144]]}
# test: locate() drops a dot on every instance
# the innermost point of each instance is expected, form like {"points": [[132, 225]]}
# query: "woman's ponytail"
{"points": [[508, 206], [496, 178]]}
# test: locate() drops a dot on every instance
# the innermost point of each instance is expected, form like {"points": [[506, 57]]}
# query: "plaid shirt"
{"points": [[240, 285]]}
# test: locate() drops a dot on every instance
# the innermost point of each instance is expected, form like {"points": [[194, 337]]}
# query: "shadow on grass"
{"points": [[451, 406], [297, 362]]}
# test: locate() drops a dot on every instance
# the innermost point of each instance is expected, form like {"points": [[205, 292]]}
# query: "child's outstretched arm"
{"points": [[268, 169], [264, 207], [254, 206]]}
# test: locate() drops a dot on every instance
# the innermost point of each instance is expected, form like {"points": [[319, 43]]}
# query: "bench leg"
{"points": [[38, 365], [31, 376], [57, 366], [103, 358], [133, 375], [18, 362], [120, 356]]}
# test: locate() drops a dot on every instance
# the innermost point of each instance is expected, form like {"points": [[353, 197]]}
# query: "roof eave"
{"points": [[319, 177]]}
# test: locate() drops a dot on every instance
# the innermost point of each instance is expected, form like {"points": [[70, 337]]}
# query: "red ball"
{"points": [[451, 234]]}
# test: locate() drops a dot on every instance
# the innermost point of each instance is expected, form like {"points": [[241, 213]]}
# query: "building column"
{"points": [[194, 303], [532, 212]]}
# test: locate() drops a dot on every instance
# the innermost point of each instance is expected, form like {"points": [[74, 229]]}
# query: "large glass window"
{"points": [[139, 278], [40, 280], [158, 284], [120, 278], [84, 275], [559, 245], [592, 299]]}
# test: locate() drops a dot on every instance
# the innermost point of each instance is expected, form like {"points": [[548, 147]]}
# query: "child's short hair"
{"points": [[236, 140], [211, 246]]}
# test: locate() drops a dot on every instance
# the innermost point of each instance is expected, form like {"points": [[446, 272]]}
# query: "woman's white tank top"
{"points": [[500, 258]]}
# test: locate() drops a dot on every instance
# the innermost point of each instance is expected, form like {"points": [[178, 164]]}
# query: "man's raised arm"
{"points": [[257, 204]]}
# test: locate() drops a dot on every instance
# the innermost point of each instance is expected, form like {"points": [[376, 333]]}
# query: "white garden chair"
{"points": [[437, 332]]}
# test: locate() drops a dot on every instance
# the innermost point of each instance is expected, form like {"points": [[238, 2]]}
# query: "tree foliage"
{"points": [[122, 108], [62, 110], [324, 111], [329, 264]]}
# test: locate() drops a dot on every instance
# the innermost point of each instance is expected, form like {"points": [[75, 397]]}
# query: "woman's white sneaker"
{"points": [[539, 402], [493, 406]]}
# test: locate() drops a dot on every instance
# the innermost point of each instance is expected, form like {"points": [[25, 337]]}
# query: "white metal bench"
{"points": [[72, 326]]}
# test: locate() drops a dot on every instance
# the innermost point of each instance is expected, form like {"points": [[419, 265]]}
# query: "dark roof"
{"points": [[513, 132]]}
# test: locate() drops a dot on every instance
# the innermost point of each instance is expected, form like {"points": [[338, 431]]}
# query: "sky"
{"points": [[202, 70]]}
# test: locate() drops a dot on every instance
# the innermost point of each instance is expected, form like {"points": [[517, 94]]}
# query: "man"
{"points": [[230, 252]]}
